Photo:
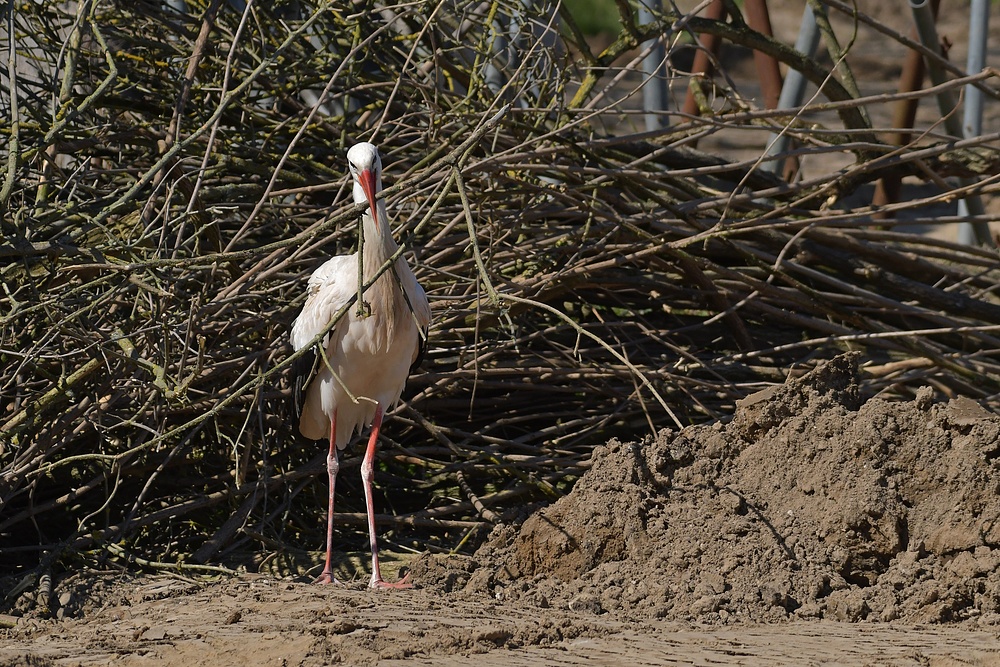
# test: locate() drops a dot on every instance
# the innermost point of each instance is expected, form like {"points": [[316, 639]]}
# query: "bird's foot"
{"points": [[378, 583], [326, 578]]}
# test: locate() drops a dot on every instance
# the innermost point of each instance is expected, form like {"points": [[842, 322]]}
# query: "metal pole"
{"points": [[904, 114], [654, 87], [972, 120], [924, 19], [794, 89]]}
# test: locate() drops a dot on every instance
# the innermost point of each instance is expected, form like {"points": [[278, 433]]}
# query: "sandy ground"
{"points": [[263, 621]]}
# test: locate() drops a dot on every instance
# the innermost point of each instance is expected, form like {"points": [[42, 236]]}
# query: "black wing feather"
{"points": [[421, 351], [303, 370]]}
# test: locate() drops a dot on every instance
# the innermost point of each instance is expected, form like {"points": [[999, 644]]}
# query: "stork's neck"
{"points": [[384, 296], [378, 242]]}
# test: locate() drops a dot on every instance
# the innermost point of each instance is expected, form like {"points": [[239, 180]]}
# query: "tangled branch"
{"points": [[174, 179]]}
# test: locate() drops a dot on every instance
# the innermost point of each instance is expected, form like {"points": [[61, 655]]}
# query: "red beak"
{"points": [[367, 180]]}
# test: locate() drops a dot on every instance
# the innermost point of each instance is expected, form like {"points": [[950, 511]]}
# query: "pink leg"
{"points": [[332, 466], [367, 472]]}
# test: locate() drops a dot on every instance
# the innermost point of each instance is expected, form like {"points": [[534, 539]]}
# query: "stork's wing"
{"points": [[303, 370], [330, 288], [422, 314], [418, 358]]}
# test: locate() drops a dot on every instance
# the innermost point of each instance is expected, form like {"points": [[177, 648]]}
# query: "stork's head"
{"points": [[366, 168]]}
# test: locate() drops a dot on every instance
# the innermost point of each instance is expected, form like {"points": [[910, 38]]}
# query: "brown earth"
{"points": [[813, 528], [808, 504]]}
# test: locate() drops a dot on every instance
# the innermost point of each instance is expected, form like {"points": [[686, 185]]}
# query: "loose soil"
{"points": [[808, 504], [813, 528]]}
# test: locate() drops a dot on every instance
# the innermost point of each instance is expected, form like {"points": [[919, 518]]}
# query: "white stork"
{"points": [[366, 356]]}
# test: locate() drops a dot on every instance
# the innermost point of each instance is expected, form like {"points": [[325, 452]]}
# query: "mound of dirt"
{"points": [[810, 503]]}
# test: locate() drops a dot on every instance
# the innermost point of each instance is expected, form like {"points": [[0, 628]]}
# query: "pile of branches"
{"points": [[174, 177]]}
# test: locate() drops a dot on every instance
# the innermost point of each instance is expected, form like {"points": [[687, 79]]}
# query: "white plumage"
{"points": [[367, 356]]}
